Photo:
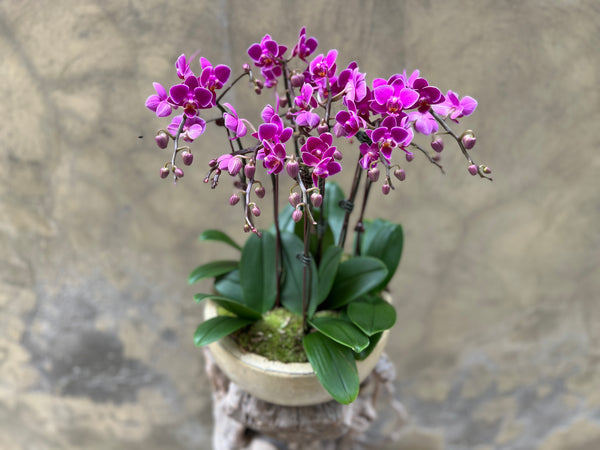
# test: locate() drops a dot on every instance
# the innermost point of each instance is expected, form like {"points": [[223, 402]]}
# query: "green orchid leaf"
{"points": [[355, 277], [285, 221], [334, 366], [383, 240], [334, 214], [229, 286], [372, 316], [342, 332], [231, 305], [328, 268], [212, 269], [257, 272], [373, 341], [292, 289], [219, 236], [214, 329]]}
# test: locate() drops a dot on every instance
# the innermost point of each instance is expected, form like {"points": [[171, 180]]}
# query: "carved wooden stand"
{"points": [[243, 422]]}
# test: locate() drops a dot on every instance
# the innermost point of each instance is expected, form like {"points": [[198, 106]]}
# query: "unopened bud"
{"points": [[247, 228], [249, 170], [295, 199], [322, 128], [246, 67], [178, 172], [187, 157], [410, 156], [316, 199], [212, 163], [297, 215], [292, 168], [468, 139], [260, 84], [373, 174], [486, 169], [473, 169], [297, 80], [400, 174], [337, 155], [164, 172], [257, 90], [437, 144], [256, 211], [385, 189], [162, 139], [234, 199], [437, 157], [235, 166], [259, 191]]}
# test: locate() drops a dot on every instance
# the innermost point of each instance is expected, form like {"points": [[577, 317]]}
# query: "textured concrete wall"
{"points": [[496, 343]]}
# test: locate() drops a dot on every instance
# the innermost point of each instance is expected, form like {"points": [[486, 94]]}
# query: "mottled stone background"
{"points": [[497, 339]]}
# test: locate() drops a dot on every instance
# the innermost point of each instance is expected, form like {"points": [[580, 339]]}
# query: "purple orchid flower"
{"points": [[230, 163], [322, 69], [193, 127], [305, 47], [348, 122], [213, 78], [318, 153], [370, 155], [274, 157], [191, 96], [234, 123], [267, 55], [183, 67], [352, 83], [393, 132], [392, 97], [454, 107], [159, 103], [306, 100]]}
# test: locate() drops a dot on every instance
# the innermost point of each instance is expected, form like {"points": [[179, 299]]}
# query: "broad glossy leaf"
{"points": [[229, 286], [383, 240], [292, 289], [212, 269], [355, 277], [257, 272], [334, 366], [373, 341], [372, 316], [334, 214], [214, 329], [216, 235], [231, 305], [342, 332], [327, 271]]}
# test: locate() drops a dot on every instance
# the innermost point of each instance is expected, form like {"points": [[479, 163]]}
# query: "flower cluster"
{"points": [[314, 103]]}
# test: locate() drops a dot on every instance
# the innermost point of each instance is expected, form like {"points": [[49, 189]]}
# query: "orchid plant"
{"points": [[300, 264]]}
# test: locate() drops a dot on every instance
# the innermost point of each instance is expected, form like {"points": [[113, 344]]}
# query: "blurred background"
{"points": [[497, 340]]}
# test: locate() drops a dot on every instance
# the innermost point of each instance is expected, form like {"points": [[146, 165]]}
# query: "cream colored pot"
{"points": [[288, 384]]}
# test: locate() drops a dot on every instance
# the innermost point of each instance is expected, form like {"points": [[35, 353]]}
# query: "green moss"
{"points": [[277, 336]]}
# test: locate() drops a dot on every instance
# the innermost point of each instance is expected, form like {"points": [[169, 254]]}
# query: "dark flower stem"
{"points": [[278, 246], [353, 192], [360, 226]]}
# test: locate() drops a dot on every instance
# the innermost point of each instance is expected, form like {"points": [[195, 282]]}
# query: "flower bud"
{"points": [[164, 172], [162, 139], [249, 170], [385, 189], [297, 215], [297, 80], [486, 170], [468, 139], [472, 169], [316, 199], [212, 163], [322, 128], [255, 211], [292, 168], [337, 155], [260, 84], [295, 199], [178, 172], [400, 174], [247, 228], [234, 199], [187, 157], [373, 174], [246, 67], [257, 90], [410, 156], [259, 191], [236, 166], [437, 157], [437, 144]]}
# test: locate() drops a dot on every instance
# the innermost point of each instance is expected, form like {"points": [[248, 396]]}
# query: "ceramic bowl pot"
{"points": [[288, 384]]}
